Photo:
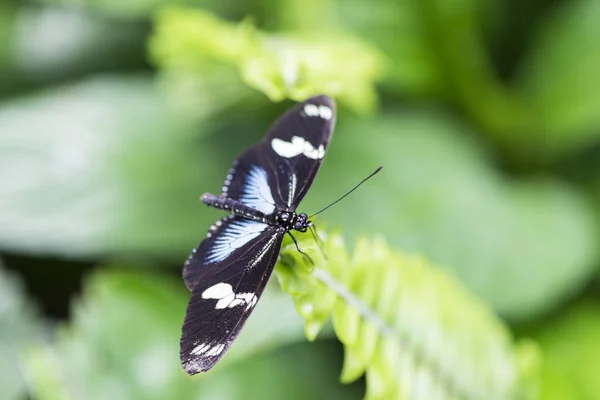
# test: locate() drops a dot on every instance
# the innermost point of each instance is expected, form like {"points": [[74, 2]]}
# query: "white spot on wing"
{"points": [[288, 149], [325, 112], [207, 349], [242, 299], [223, 292], [315, 154], [312, 110], [218, 291], [256, 191], [215, 351], [201, 348], [296, 147], [234, 236]]}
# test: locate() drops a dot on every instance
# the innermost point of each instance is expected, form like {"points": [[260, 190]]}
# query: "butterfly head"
{"points": [[302, 223], [290, 220]]}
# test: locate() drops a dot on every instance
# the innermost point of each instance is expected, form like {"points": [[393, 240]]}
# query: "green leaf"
{"points": [[103, 166], [522, 245], [559, 79], [18, 330], [123, 342], [410, 327], [284, 65], [572, 353]]}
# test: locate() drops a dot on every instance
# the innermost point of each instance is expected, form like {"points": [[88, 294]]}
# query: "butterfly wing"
{"points": [[277, 172], [295, 147], [227, 274]]}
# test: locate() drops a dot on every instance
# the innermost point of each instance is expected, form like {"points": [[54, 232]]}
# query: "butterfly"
{"points": [[229, 270]]}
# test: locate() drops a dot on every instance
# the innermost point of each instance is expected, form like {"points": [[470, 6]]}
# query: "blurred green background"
{"points": [[116, 115]]}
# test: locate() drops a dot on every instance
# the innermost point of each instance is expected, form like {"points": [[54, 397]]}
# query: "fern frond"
{"points": [[413, 329]]}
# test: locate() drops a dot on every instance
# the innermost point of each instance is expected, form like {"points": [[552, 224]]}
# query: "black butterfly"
{"points": [[229, 270]]}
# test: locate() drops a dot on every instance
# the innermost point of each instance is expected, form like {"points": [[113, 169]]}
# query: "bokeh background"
{"points": [[115, 116]]}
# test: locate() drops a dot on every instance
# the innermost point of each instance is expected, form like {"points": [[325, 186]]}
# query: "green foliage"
{"points": [[560, 79], [438, 48], [120, 344], [18, 329], [421, 39], [123, 343], [113, 173], [523, 245], [411, 328], [570, 342], [292, 65]]}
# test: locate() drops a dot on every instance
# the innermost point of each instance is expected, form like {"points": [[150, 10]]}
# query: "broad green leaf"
{"points": [[18, 330], [413, 329], [123, 343], [523, 245], [282, 65], [572, 353], [560, 81], [100, 167]]}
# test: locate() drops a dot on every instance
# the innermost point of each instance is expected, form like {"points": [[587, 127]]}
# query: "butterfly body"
{"points": [[288, 220], [230, 268]]}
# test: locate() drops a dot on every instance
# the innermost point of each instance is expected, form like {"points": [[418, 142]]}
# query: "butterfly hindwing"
{"points": [[227, 274], [279, 170], [228, 240]]}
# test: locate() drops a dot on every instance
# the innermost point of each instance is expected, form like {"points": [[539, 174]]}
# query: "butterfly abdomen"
{"points": [[233, 206]]}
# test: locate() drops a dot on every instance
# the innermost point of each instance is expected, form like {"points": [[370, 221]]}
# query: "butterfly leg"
{"points": [[317, 240], [298, 248]]}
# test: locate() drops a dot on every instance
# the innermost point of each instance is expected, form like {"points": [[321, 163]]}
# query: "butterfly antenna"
{"points": [[350, 191]]}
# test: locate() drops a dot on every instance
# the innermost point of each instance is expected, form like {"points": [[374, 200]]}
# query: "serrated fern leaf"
{"points": [[413, 329]]}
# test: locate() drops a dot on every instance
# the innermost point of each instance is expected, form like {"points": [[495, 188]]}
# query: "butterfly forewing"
{"points": [[295, 147], [289, 157], [227, 274], [227, 243]]}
